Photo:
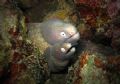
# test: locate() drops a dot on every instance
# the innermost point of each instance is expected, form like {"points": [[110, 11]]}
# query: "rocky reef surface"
{"points": [[97, 60]]}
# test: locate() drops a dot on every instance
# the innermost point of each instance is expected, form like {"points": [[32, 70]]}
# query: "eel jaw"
{"points": [[73, 39], [73, 42], [67, 48]]}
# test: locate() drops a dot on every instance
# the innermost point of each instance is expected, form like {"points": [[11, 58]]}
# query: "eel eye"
{"points": [[63, 34]]}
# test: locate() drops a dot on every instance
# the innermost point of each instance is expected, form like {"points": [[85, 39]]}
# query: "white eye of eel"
{"points": [[63, 34]]}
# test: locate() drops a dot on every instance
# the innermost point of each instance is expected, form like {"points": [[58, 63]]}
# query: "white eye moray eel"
{"points": [[56, 39]]}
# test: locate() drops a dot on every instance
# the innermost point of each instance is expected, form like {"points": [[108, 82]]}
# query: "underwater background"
{"points": [[97, 58]]}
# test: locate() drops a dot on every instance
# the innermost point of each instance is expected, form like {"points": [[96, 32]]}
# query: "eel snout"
{"points": [[73, 39]]}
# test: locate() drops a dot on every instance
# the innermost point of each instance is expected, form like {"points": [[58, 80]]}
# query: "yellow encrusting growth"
{"points": [[37, 38]]}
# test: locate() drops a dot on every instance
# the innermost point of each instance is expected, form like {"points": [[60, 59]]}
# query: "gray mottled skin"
{"points": [[62, 37]]}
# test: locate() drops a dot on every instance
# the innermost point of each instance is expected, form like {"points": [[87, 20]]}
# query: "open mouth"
{"points": [[69, 49], [73, 40]]}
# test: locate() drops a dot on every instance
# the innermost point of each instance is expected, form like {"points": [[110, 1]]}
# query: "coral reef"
{"points": [[97, 60], [95, 66]]}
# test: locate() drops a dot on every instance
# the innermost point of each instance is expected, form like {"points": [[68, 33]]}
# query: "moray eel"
{"points": [[55, 39]]}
